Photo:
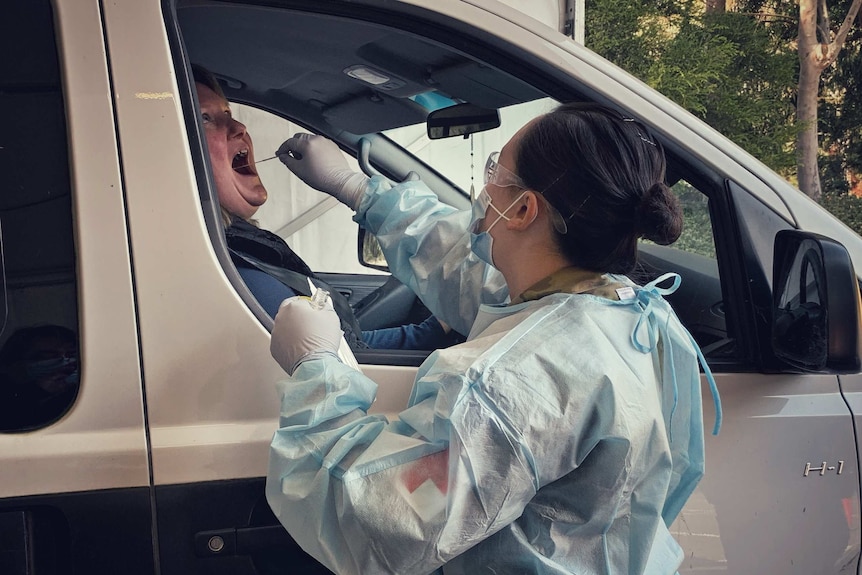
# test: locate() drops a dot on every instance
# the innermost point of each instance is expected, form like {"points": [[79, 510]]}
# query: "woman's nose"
{"points": [[237, 128]]}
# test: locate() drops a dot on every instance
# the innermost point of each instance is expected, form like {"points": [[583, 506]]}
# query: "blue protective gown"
{"points": [[563, 437]]}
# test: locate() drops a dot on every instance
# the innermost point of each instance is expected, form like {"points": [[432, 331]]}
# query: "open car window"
{"points": [[352, 80], [316, 226], [699, 301]]}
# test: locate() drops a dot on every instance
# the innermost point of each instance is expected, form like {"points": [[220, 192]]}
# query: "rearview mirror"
{"points": [[816, 307], [461, 120]]}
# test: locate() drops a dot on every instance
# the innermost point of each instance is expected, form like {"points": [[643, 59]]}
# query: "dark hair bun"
{"points": [[659, 216]]}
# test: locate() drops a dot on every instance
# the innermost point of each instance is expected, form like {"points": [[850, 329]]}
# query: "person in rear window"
{"points": [[39, 376], [272, 271], [565, 434]]}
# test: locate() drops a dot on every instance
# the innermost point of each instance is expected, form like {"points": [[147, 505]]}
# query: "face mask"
{"points": [[40, 369], [480, 206], [481, 242]]}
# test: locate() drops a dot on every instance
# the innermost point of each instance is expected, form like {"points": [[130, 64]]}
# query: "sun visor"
{"points": [[483, 86], [374, 113]]}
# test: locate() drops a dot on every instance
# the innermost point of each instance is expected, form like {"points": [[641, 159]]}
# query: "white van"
{"points": [[150, 456]]}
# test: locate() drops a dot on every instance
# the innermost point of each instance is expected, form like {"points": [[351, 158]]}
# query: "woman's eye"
{"points": [[206, 118]]}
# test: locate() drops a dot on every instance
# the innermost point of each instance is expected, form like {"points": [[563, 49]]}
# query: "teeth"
{"points": [[240, 160]]}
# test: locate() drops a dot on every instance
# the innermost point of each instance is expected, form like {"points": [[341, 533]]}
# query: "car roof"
{"points": [[312, 64]]}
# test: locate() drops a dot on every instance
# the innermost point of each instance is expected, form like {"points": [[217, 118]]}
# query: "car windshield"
{"points": [[461, 159]]}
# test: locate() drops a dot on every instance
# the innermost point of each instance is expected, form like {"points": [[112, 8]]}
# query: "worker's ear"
{"points": [[525, 212]]}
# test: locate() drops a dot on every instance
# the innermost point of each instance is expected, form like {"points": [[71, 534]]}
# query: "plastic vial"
{"points": [[318, 298]]}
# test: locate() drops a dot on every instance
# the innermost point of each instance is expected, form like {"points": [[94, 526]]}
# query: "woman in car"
{"points": [[566, 434], [272, 271]]}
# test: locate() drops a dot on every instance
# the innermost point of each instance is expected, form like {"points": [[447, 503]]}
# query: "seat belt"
{"points": [[300, 284]]}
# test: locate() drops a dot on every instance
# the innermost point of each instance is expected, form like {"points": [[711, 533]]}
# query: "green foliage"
{"points": [[738, 71], [728, 68], [832, 174], [754, 106], [696, 235], [841, 114], [613, 29], [840, 105], [692, 67], [846, 208]]}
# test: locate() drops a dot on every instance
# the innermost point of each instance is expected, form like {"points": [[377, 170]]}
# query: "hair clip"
{"points": [[637, 129]]}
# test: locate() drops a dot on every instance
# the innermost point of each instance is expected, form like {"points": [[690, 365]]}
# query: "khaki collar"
{"points": [[571, 280]]}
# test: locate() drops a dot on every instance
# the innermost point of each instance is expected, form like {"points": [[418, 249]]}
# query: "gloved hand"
{"points": [[301, 331], [321, 164]]}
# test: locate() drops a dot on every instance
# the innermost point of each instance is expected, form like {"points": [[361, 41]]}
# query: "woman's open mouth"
{"points": [[240, 164]]}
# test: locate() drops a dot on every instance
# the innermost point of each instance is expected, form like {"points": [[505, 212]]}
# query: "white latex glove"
{"points": [[320, 163], [301, 332]]}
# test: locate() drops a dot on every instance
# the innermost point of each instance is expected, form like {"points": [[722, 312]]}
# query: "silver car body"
{"points": [[177, 382]]}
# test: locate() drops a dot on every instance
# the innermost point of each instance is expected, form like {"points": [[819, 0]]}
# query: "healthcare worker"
{"points": [[565, 435]]}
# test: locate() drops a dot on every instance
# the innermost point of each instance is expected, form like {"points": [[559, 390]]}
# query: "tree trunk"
{"points": [[807, 171], [716, 6], [815, 55]]}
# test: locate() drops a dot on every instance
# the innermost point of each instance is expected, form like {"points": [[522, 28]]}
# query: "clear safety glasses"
{"points": [[503, 177], [500, 175]]}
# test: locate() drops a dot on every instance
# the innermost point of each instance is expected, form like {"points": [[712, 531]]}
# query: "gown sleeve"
{"points": [[363, 495], [427, 247]]}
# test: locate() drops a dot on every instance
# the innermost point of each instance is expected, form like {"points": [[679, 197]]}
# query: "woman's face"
{"points": [[239, 188], [502, 196]]}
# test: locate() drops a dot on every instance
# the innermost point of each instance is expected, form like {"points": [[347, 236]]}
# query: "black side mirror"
{"points": [[816, 312], [369, 251], [461, 120]]}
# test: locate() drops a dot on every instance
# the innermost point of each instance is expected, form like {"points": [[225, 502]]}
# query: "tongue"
{"points": [[240, 165]]}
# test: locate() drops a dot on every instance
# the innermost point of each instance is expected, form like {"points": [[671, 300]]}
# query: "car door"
{"points": [[783, 431], [761, 506], [204, 341]]}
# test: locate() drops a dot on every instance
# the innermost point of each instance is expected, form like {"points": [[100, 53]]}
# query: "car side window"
{"points": [[317, 227], [452, 167], [462, 160], [699, 301], [39, 370], [697, 232]]}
